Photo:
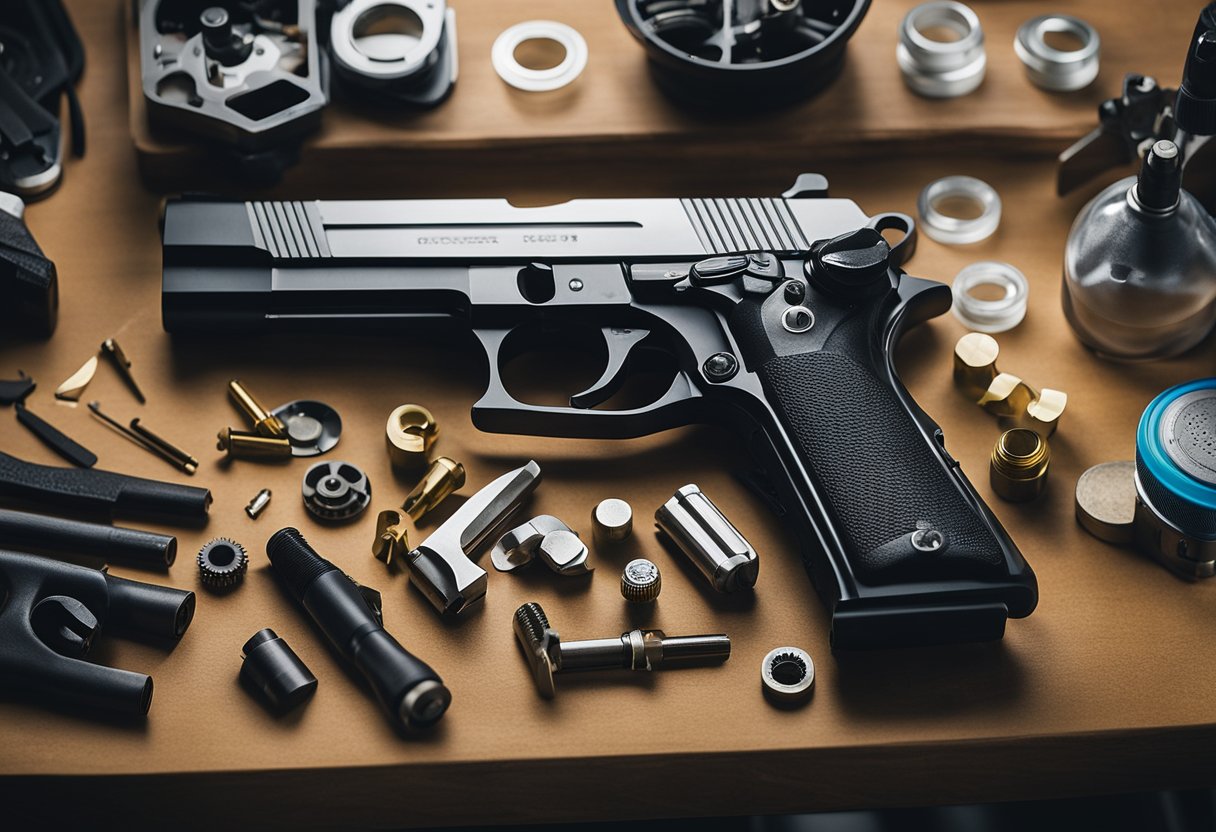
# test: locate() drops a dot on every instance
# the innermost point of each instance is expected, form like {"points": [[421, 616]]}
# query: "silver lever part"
{"points": [[440, 567], [704, 534]]}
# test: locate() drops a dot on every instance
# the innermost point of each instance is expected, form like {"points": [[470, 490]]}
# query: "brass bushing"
{"points": [[245, 445], [1018, 471], [441, 479], [409, 434], [975, 357]]}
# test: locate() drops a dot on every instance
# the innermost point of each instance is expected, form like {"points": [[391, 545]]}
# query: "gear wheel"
{"points": [[336, 490], [222, 563]]}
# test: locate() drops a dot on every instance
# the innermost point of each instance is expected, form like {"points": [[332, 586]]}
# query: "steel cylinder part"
{"points": [[1050, 67], [941, 50], [703, 533]]}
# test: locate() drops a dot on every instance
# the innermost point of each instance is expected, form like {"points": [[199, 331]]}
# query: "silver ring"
{"points": [[1054, 69], [999, 315], [509, 69], [941, 68], [787, 674], [959, 230], [396, 55]]}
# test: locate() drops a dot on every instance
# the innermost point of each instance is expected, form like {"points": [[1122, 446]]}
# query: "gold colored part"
{"points": [[123, 365], [409, 434], [72, 389], [1042, 415], [264, 422], [975, 363], [239, 444], [392, 539], [441, 479], [1007, 395], [1019, 465], [186, 460]]}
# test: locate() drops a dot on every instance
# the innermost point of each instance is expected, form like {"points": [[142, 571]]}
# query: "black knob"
{"points": [[853, 266]]}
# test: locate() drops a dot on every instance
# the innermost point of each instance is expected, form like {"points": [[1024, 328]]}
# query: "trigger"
{"points": [[620, 343]]}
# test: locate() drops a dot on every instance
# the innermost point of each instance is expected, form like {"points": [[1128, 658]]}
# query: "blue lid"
{"points": [[1153, 452]]}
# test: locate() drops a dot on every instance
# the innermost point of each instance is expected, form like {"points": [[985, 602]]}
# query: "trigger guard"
{"points": [[902, 251]]}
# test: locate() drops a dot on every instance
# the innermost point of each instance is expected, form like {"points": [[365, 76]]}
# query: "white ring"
{"points": [[955, 230], [509, 69], [998, 315]]}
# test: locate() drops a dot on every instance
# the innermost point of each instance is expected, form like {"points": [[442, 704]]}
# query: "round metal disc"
{"points": [[312, 427], [1188, 434], [1106, 501]]}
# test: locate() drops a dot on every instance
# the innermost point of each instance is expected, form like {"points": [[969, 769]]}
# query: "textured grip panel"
{"points": [[876, 472]]}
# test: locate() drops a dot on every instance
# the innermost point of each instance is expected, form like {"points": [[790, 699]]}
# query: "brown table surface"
{"points": [[1105, 687]]}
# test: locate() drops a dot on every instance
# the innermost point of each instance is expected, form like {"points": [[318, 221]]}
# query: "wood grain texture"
{"points": [[1105, 687]]}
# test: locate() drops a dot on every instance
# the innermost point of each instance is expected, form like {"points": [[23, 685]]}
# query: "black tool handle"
{"points": [[40, 533], [103, 493], [55, 439]]}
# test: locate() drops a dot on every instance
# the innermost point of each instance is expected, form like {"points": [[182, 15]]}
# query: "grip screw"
{"points": [[721, 366], [795, 292]]}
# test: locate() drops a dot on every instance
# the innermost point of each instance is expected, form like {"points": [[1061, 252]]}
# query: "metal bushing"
{"points": [[787, 675], [941, 68], [1059, 70]]}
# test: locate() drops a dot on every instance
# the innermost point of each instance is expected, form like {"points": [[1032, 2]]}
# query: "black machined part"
{"points": [[222, 563], [58, 535], [51, 615], [409, 691], [55, 439], [336, 491], [273, 671], [101, 493], [769, 53], [15, 391], [29, 282]]}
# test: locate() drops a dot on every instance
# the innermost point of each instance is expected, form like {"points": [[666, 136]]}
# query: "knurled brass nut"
{"points": [[1018, 470]]}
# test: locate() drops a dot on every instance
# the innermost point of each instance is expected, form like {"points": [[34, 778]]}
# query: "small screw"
{"points": [[721, 366], [927, 540], [576, 285], [795, 292]]}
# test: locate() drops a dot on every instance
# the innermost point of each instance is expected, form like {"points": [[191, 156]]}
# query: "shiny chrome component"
{"points": [[634, 650], [556, 543], [944, 227], [510, 70], [239, 444], [73, 387], [612, 520], [564, 552], [398, 51], [1018, 470], [788, 675], [938, 67], [990, 315], [641, 582], [441, 479], [703, 533], [179, 460], [441, 569], [258, 504], [263, 421], [392, 539], [111, 350], [409, 434], [1058, 70]]}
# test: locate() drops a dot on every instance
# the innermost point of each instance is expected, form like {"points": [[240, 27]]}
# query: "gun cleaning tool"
{"points": [[634, 650], [641, 582], [409, 691], [538, 34], [312, 427], [222, 563], [702, 532], [273, 670], [975, 364], [441, 479], [29, 282], [983, 314], [55, 439], [258, 504], [947, 209], [17, 390], [73, 386], [240, 444], [440, 567], [40, 533], [787, 675], [177, 458], [1054, 69], [263, 421], [936, 67], [1018, 471], [336, 490], [118, 358], [392, 538], [409, 434], [1170, 490], [752, 55], [186, 460], [612, 520], [519, 546]]}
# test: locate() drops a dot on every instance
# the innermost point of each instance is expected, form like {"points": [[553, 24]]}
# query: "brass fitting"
{"points": [[239, 444], [1042, 415], [1018, 471], [409, 434], [264, 422], [975, 363], [392, 538], [1004, 395], [1007, 396], [441, 479]]}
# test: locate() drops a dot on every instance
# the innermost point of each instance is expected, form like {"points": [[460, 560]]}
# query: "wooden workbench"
{"points": [[1105, 687]]}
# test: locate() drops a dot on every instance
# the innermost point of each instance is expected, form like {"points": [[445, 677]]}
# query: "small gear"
{"points": [[222, 563], [336, 490]]}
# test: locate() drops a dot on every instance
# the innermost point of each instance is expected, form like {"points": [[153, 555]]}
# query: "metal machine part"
{"points": [[239, 444], [402, 50], [612, 520], [641, 582], [975, 369], [744, 53], [410, 432], [258, 504], [313, 428], [702, 532], [392, 538], [1140, 265], [54, 612], [545, 536], [246, 75], [506, 63], [984, 314], [222, 563], [73, 386], [409, 691], [440, 567], [1052, 68], [336, 491], [1018, 469], [55, 439], [149, 441], [188, 462], [1004, 395], [938, 65], [788, 675], [965, 191], [1106, 501], [272, 670], [29, 282], [440, 480], [635, 650], [111, 350], [40, 533], [263, 422]]}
